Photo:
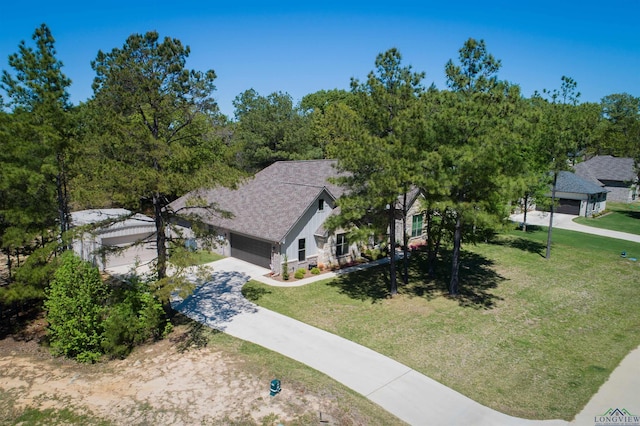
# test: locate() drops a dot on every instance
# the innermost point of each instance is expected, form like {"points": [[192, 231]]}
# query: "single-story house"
{"points": [[619, 176], [578, 196], [280, 212], [135, 235]]}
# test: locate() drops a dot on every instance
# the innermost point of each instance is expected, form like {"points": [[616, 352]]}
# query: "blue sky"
{"points": [[299, 47]]}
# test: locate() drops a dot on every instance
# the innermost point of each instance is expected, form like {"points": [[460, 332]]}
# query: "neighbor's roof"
{"points": [[570, 182], [270, 203], [606, 167], [88, 217]]}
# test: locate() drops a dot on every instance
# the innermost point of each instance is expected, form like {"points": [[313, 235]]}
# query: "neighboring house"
{"points": [[135, 235], [280, 211], [618, 176], [578, 196]]}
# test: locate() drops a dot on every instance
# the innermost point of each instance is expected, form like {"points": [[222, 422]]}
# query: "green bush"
{"points": [[88, 318], [135, 317], [300, 273], [315, 271], [285, 269], [75, 305]]}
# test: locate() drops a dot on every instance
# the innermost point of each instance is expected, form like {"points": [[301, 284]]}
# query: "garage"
{"points": [[143, 253], [114, 228], [251, 250], [568, 206]]}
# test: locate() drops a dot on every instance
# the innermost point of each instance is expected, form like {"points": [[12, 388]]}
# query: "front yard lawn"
{"points": [[530, 337], [622, 217]]}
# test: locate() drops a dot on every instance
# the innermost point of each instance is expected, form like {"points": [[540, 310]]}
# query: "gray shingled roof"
{"points": [[606, 167], [270, 203], [570, 182]]}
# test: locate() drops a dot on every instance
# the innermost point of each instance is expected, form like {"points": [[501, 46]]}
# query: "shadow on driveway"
{"points": [[217, 301]]}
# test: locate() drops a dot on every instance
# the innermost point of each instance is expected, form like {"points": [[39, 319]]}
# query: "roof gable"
{"points": [[273, 201], [570, 182]]}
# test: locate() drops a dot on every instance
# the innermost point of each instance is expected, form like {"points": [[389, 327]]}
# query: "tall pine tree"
{"points": [[153, 134]]}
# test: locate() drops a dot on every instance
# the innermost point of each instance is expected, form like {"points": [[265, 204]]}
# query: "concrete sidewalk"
{"points": [[409, 395]]}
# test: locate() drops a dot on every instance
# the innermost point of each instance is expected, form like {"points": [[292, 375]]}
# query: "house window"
{"points": [[320, 204], [302, 253], [416, 225], [342, 246]]}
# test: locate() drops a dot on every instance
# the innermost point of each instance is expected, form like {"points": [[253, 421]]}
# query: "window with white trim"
{"points": [[342, 246], [416, 225], [302, 252]]}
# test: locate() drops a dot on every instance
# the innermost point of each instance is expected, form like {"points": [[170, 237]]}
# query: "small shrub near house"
{"points": [[285, 269], [300, 273], [315, 270]]}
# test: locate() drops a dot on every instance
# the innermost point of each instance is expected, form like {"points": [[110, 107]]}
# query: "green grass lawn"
{"points": [[202, 257], [530, 337], [622, 217]]}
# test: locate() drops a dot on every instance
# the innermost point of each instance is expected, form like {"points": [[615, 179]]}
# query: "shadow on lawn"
{"points": [[477, 278], [520, 243], [630, 213]]}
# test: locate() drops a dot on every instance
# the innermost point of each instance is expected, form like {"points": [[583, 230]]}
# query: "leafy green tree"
{"points": [[377, 149], [322, 109], [75, 305], [620, 133], [477, 124], [152, 134], [321, 100], [270, 128]]}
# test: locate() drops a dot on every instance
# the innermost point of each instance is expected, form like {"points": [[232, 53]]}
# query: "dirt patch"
{"points": [[157, 384]]}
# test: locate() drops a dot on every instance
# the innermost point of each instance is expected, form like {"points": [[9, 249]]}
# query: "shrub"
{"points": [[300, 273], [315, 271], [135, 317], [88, 318], [75, 304], [285, 269]]}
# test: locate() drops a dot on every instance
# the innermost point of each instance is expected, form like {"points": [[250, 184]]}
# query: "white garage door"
{"points": [[142, 253]]}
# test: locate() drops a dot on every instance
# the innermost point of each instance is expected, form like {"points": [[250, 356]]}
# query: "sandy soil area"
{"points": [[157, 384]]}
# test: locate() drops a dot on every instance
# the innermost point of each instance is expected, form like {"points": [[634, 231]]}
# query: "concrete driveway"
{"points": [[565, 221], [409, 395]]}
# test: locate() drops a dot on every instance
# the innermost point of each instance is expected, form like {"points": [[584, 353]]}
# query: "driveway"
{"points": [[565, 221], [409, 395]]}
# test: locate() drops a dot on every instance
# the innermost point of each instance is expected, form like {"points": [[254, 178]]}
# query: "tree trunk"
{"points": [[392, 250], [455, 260], [405, 241], [436, 248], [433, 241], [7, 252], [161, 239], [63, 204], [524, 220], [553, 206]]}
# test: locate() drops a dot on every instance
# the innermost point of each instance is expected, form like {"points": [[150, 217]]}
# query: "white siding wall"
{"points": [[306, 228]]}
